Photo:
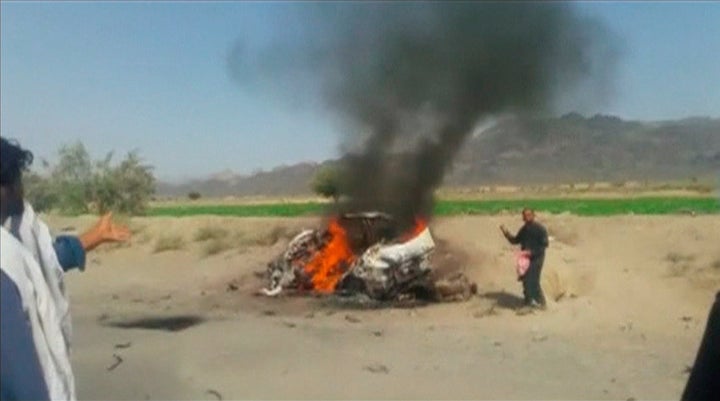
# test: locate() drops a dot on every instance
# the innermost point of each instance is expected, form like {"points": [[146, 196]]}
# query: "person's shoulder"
{"points": [[8, 243], [12, 252], [537, 226]]}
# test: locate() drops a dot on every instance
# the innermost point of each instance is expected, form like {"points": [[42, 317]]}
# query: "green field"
{"points": [[581, 207]]}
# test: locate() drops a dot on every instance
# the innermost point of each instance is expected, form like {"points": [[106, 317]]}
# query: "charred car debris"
{"points": [[361, 254]]}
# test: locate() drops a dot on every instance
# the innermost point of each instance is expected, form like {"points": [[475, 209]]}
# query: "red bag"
{"points": [[522, 263]]}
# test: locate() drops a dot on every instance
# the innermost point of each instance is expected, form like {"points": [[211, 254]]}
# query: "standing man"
{"points": [[34, 356], [54, 256], [35, 303], [533, 238]]}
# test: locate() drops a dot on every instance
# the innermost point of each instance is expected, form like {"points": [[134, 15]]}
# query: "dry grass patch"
{"points": [[144, 238], [169, 243], [263, 238], [680, 264], [215, 246], [210, 233], [275, 235]]}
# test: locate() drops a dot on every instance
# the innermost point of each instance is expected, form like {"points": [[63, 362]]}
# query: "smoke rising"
{"points": [[415, 78]]}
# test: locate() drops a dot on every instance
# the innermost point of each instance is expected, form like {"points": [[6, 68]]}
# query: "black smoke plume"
{"points": [[415, 78]]}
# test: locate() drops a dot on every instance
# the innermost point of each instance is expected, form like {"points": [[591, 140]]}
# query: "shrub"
{"points": [[210, 233], [327, 183], [169, 243], [77, 185], [39, 192], [216, 246], [126, 188]]}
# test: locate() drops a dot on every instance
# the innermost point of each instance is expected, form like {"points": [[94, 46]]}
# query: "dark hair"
{"points": [[13, 161]]}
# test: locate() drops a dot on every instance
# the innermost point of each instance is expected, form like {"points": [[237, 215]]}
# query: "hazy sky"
{"points": [[153, 76]]}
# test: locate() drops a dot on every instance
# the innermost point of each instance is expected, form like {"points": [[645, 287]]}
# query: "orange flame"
{"points": [[328, 265], [420, 226]]}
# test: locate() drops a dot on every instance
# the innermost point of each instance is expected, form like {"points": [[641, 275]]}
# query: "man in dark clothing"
{"points": [[533, 238], [21, 376], [704, 380]]}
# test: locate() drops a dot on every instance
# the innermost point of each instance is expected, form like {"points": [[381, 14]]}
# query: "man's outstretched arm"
{"points": [[70, 252], [513, 239]]}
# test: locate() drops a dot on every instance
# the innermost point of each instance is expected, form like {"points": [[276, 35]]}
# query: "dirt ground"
{"points": [[628, 299]]}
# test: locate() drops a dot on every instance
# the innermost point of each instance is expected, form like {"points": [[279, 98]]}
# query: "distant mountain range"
{"points": [[516, 151]]}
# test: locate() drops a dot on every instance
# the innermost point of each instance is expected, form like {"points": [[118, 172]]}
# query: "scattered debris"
{"points": [[214, 393], [486, 312], [352, 319], [377, 368], [118, 361], [626, 327], [123, 345]]}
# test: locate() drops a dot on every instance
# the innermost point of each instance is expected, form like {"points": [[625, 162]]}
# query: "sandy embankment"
{"points": [[636, 295]]}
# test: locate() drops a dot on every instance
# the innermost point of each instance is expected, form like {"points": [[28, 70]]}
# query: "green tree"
{"points": [[126, 188], [76, 184], [328, 183], [39, 191], [72, 178]]}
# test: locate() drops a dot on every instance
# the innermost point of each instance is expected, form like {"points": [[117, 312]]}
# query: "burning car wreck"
{"points": [[363, 254]]}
